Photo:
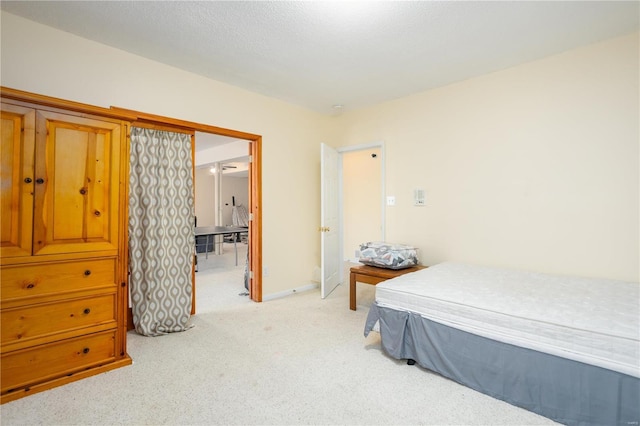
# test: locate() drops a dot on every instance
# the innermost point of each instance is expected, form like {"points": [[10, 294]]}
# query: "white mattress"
{"points": [[594, 321]]}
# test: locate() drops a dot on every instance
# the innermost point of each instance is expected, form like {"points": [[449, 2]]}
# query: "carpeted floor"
{"points": [[219, 281], [295, 360]]}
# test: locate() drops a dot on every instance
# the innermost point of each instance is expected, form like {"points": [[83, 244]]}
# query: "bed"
{"points": [[566, 348]]}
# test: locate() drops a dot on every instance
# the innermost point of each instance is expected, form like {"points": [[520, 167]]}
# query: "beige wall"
{"points": [[43, 60], [532, 167], [361, 193], [237, 187], [205, 197]]}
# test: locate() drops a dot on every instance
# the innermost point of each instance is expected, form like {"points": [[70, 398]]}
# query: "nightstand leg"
{"points": [[352, 292]]}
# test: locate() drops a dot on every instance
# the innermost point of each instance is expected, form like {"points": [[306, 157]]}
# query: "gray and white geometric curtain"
{"points": [[161, 230]]}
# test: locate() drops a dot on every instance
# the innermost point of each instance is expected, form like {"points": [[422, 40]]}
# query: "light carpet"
{"points": [[296, 360]]}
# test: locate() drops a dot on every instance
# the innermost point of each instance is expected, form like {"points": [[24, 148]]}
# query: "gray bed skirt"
{"points": [[563, 390]]}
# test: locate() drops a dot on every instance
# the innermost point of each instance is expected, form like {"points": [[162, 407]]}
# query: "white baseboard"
{"points": [[286, 293]]}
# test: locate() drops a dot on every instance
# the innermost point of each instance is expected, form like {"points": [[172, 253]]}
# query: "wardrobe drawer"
{"points": [[25, 324], [41, 363], [45, 279]]}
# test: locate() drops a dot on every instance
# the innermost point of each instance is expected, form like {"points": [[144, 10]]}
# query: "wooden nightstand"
{"points": [[372, 275]]}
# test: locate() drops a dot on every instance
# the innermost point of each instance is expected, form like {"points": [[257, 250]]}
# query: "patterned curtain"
{"points": [[161, 230]]}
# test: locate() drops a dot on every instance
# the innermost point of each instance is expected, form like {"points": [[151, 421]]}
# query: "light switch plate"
{"points": [[391, 200]]}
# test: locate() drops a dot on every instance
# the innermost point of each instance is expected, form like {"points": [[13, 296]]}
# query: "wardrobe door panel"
{"points": [[77, 166], [16, 180]]}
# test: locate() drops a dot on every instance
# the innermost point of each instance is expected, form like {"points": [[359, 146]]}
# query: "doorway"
{"points": [[362, 208], [365, 167], [138, 118], [221, 189], [255, 183]]}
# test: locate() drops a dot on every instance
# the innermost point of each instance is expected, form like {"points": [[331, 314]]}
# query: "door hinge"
{"points": [[251, 158], [250, 216], [250, 275]]}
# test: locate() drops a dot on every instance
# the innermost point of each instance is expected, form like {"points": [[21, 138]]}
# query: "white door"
{"points": [[329, 220]]}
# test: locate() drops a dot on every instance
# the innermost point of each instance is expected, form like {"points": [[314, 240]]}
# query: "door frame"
{"points": [[255, 182], [341, 151]]}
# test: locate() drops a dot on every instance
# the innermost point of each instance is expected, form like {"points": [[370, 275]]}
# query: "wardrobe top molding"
{"points": [[138, 118], [47, 101]]}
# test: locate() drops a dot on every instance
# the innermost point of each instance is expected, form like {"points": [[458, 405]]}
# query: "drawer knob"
{"points": [[31, 285], [40, 181], [28, 180], [85, 351], [83, 191], [97, 213], [86, 311], [87, 272]]}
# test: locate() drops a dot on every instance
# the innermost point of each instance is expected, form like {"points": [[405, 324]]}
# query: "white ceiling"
{"points": [[318, 54]]}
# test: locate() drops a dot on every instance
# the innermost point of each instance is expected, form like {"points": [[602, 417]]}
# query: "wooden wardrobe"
{"points": [[63, 251]]}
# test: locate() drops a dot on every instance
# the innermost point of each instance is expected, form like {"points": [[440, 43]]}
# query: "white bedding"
{"points": [[594, 321]]}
